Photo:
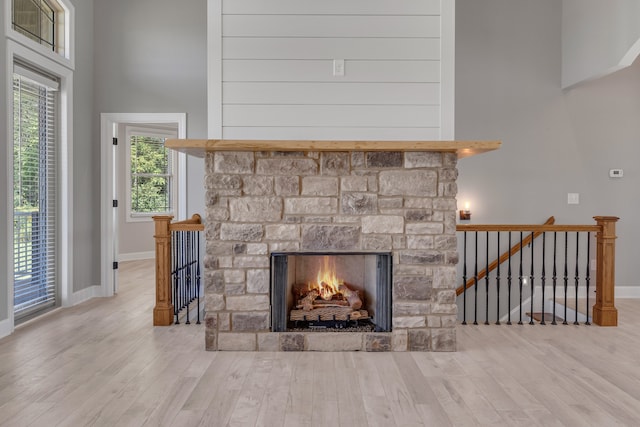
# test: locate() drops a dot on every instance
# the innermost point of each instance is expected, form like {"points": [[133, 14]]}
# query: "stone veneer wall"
{"points": [[263, 202]]}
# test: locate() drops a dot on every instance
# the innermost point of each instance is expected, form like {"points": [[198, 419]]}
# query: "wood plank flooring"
{"points": [[101, 363]]}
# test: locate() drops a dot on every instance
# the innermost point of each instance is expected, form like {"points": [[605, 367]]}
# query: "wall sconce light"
{"points": [[465, 214]]}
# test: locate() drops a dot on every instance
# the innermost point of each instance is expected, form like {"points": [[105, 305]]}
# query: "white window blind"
{"points": [[34, 191]]}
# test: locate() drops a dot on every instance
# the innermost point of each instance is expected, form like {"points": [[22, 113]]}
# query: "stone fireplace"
{"points": [[263, 203]]}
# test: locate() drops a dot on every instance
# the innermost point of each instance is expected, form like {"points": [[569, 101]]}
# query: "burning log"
{"points": [[306, 303], [319, 303], [329, 313], [351, 296], [301, 290]]}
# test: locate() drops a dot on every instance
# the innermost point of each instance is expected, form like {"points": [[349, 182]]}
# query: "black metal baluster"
{"points": [[475, 283], [520, 278], [531, 276], [464, 281], [498, 281], [183, 271], [187, 270], [198, 273], [566, 275], [176, 277], [588, 275], [509, 284], [577, 278], [543, 278], [486, 282], [180, 261], [555, 277]]}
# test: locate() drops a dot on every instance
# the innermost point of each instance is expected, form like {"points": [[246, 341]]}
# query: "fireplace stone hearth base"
{"points": [[398, 202]]}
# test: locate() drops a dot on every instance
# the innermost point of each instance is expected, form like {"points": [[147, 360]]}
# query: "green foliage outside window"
{"points": [[29, 122], [150, 175]]}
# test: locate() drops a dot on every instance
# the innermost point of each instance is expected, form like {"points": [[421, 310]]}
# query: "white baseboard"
{"points": [[6, 328], [86, 294], [627, 291], [620, 292], [135, 256]]}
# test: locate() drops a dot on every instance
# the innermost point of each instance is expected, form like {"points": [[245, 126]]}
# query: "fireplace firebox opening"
{"points": [[331, 291]]}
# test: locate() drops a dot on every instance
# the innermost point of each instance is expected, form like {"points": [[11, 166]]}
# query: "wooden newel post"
{"points": [[604, 311], [163, 311]]}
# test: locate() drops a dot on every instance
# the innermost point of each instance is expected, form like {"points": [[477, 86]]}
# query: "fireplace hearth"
{"points": [[331, 292]]}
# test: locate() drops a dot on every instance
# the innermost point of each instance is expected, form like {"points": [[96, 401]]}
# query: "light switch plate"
{"points": [[338, 67], [573, 198]]}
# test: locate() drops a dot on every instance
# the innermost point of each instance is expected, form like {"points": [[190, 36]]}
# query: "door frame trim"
{"points": [[107, 217]]}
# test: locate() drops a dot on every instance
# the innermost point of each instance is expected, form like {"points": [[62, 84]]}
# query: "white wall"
{"points": [[598, 38], [152, 59], [508, 63], [277, 79]]}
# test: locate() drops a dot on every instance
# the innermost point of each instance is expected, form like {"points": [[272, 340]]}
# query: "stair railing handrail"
{"points": [[192, 224], [604, 311], [503, 257], [163, 310]]}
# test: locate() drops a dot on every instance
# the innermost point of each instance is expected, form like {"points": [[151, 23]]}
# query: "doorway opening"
{"points": [[114, 144]]}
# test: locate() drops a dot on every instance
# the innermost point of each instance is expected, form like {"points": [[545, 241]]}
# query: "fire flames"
{"points": [[327, 282]]}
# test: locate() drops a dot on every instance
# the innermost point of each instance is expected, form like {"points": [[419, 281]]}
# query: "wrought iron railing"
{"points": [[545, 268], [178, 274]]}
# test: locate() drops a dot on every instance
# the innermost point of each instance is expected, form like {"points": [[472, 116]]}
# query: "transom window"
{"points": [[36, 20], [40, 20]]}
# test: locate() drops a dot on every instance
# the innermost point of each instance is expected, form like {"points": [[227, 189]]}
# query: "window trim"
{"points": [[67, 56], [157, 132], [20, 53]]}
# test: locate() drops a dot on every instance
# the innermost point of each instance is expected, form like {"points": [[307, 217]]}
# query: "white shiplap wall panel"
{"points": [[331, 115], [332, 7], [247, 70], [332, 93], [330, 48], [330, 26], [328, 133], [276, 66]]}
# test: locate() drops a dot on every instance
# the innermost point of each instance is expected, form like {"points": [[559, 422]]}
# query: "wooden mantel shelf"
{"points": [[198, 147]]}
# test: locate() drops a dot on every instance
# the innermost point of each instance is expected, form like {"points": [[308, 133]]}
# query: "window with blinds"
{"points": [[34, 191]]}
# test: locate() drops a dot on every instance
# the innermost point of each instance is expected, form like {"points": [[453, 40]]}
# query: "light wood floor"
{"points": [[102, 363]]}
